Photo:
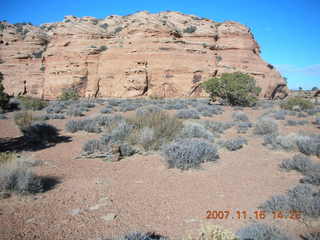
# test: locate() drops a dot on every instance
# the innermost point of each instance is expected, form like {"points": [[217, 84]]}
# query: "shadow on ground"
{"points": [[50, 182], [20, 144]]}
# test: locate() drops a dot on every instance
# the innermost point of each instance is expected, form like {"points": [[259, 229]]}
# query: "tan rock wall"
{"points": [[138, 55]]}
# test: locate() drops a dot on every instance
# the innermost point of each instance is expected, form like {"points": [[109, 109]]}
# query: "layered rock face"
{"points": [[166, 54]]}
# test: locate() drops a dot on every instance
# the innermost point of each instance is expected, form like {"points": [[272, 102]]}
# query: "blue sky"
{"points": [[288, 31]]}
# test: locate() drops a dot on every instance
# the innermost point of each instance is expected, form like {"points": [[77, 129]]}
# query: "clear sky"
{"points": [[288, 31]]}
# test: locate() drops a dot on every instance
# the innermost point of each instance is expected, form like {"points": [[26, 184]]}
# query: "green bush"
{"points": [[29, 103], [4, 98], [299, 103], [24, 119], [69, 94], [233, 88]]}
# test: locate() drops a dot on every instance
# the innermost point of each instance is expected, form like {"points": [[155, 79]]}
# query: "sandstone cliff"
{"points": [[166, 54]]}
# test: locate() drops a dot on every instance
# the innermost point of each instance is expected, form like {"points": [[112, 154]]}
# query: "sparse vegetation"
{"points": [[301, 198], [297, 103], [233, 88], [40, 132], [261, 231], [240, 116], [213, 232], [18, 179], [30, 103], [24, 119], [195, 130], [189, 153], [265, 126], [187, 114], [69, 94], [235, 144]]}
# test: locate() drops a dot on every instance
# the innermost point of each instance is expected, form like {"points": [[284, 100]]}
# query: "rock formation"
{"points": [[166, 54]]}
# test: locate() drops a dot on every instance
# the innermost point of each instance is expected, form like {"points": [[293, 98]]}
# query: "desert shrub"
{"points": [[213, 232], [69, 94], [4, 97], [174, 106], [6, 157], [121, 132], [29, 103], [93, 146], [108, 122], [301, 115], [74, 111], [106, 110], [55, 108], [126, 150], [40, 132], [52, 116], [265, 126], [260, 231], [309, 145], [2, 116], [317, 121], [89, 125], [142, 236], [86, 104], [301, 198], [14, 178], [235, 144], [311, 236], [187, 114], [278, 142], [297, 103], [265, 104], [189, 153], [313, 111], [114, 102], [146, 110], [280, 115], [216, 127], [195, 130], [299, 163], [190, 29], [312, 176], [24, 119], [240, 116], [128, 107], [291, 122], [233, 88], [208, 110], [164, 126], [146, 137], [243, 127]]}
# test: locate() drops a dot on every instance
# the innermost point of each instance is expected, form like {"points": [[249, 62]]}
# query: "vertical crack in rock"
{"points": [[147, 80]]}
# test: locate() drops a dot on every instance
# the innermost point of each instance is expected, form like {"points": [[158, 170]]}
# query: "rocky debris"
{"points": [[165, 54]]}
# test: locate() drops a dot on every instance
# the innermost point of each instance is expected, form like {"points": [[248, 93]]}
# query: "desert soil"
{"points": [[94, 199]]}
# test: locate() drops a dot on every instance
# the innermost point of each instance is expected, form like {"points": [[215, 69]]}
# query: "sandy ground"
{"points": [[92, 199]]}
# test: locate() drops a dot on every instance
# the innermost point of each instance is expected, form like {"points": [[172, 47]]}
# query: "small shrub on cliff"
{"points": [[69, 94], [297, 103], [233, 88]]}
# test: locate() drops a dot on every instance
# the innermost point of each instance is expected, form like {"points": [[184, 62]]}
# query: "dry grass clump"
{"points": [[24, 119], [213, 232], [19, 179]]}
